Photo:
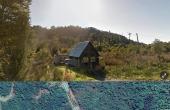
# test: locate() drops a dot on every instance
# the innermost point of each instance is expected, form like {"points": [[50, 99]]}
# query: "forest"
{"points": [[26, 52]]}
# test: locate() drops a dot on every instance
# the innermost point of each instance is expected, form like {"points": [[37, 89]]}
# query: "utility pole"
{"points": [[137, 36], [129, 36], [109, 37]]}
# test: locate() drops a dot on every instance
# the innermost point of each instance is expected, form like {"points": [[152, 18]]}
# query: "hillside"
{"points": [[66, 37], [121, 58], [44, 42]]}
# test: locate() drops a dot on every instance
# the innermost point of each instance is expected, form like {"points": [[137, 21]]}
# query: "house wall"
{"points": [[74, 62]]}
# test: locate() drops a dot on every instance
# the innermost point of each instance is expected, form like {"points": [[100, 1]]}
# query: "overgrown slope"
{"points": [[122, 59]]}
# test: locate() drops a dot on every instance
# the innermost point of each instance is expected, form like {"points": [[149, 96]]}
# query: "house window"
{"points": [[85, 60], [93, 59]]}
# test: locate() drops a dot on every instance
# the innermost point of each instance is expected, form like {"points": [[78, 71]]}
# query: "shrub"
{"points": [[58, 74]]}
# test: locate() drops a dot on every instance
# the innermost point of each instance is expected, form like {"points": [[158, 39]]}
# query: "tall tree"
{"points": [[14, 26]]}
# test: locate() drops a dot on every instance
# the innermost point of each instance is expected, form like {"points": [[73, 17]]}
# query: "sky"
{"points": [[149, 18]]}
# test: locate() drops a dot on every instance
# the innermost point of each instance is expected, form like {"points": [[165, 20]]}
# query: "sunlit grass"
{"points": [[71, 75]]}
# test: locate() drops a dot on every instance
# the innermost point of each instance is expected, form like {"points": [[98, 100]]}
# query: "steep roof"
{"points": [[78, 49]]}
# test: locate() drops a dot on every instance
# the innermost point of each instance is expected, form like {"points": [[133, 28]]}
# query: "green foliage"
{"points": [[122, 59], [14, 25], [58, 75], [138, 62]]}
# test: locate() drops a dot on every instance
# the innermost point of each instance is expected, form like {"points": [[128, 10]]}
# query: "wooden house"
{"points": [[84, 55]]}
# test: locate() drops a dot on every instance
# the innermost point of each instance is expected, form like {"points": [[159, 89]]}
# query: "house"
{"points": [[84, 55]]}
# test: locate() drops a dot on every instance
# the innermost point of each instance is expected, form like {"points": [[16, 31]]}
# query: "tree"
{"points": [[158, 46], [14, 26]]}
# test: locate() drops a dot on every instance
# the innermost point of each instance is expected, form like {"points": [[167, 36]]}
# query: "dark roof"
{"points": [[78, 49]]}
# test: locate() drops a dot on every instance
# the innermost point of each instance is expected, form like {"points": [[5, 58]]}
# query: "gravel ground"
{"points": [[110, 95], [122, 95]]}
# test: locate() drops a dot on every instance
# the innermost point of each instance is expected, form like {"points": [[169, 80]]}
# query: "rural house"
{"points": [[84, 54]]}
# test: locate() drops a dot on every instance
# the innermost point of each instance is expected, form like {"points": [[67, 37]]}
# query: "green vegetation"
{"points": [[122, 60], [137, 62], [14, 27]]}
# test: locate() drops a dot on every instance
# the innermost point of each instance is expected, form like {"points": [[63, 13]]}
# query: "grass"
{"points": [[134, 73], [63, 73], [73, 74]]}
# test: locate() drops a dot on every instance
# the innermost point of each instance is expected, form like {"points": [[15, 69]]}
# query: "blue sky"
{"points": [[149, 18]]}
